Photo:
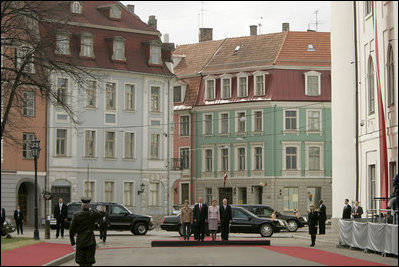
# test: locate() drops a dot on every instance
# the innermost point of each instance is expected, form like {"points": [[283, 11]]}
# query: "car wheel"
{"points": [[266, 230], [181, 230], [140, 229], [292, 226]]}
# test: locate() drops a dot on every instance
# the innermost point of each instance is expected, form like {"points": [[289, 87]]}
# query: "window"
{"points": [[25, 59], [290, 198], [90, 144], [61, 142], [208, 124], [224, 120], [241, 159], [155, 142], [89, 189], [91, 94], [26, 142], [208, 160], [86, 45], [185, 192], [242, 86], [225, 159], [391, 77], [184, 125], [241, 122], [314, 158], [63, 44], [313, 124], [290, 158], [76, 7], [259, 85], [210, 90], [258, 121], [129, 146], [128, 189], [312, 83], [119, 48], [370, 84], [239, 214], [258, 158], [108, 191], [28, 104], [392, 173], [130, 92], [184, 158], [62, 91], [177, 97], [115, 12], [290, 120], [372, 186], [154, 194], [155, 54], [110, 144], [367, 7], [208, 195], [226, 88], [155, 98], [110, 96]]}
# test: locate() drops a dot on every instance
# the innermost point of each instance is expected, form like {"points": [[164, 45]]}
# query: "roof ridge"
{"points": [[281, 48]]}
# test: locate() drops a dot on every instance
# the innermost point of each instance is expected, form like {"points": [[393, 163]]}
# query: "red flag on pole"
{"points": [[224, 179]]}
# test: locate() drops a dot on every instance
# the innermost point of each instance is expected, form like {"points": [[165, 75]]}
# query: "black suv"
{"points": [[121, 218], [293, 223]]}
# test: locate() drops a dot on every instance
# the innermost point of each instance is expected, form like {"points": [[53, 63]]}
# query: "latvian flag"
{"points": [[224, 179]]}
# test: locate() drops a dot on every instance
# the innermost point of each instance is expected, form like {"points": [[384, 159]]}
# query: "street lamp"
{"points": [[35, 148]]}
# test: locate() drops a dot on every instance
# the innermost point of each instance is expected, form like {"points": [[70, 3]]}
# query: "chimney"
{"points": [[152, 21], [286, 27], [130, 8], [166, 38], [253, 29], [205, 34]]}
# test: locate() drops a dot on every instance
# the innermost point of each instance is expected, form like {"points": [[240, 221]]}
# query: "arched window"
{"points": [[370, 85], [76, 7], [391, 77]]}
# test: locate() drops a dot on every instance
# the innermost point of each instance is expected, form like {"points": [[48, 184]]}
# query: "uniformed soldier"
{"points": [[82, 224]]}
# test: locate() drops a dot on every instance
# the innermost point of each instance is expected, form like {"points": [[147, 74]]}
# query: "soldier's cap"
{"points": [[85, 200]]}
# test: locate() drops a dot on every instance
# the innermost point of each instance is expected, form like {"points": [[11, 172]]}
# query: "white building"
{"points": [[356, 125]]}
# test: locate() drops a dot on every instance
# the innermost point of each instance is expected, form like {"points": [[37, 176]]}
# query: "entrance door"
{"points": [[258, 190], [23, 201], [226, 192]]}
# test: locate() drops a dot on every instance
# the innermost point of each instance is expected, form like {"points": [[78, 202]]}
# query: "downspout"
{"points": [[168, 150], [192, 158], [274, 153], [357, 100]]}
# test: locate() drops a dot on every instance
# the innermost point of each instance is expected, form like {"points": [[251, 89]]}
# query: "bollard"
{"points": [[47, 229]]}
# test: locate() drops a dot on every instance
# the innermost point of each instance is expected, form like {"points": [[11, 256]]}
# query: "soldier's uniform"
{"points": [[83, 225]]}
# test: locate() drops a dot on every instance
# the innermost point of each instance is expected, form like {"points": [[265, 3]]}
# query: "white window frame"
{"points": [[132, 194], [115, 145], [95, 143], [155, 54], [237, 157], [204, 124], [155, 157], [115, 12], [242, 75], [134, 145], [122, 55], [254, 121], [253, 149], [222, 82], [126, 109], [22, 51], [83, 39], [263, 74], [183, 87], [221, 123], [93, 197], [313, 73], [180, 154], [204, 149], [320, 145], [65, 145], [27, 143], [297, 120], [298, 155], [116, 97], [238, 121], [157, 194], [181, 195], [220, 155], [113, 190], [64, 39], [308, 120], [180, 125], [159, 99], [206, 79], [76, 7], [27, 98], [66, 101], [95, 95]]}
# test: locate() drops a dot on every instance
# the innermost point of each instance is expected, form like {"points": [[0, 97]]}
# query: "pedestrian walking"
{"points": [[19, 220], [213, 219], [322, 218], [186, 219], [313, 219], [357, 210], [225, 219], [60, 214], [103, 223], [200, 214], [82, 225], [346, 214]]}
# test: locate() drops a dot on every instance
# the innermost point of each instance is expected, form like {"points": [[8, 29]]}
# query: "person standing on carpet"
{"points": [[225, 219], [103, 223], [19, 219], [213, 219], [186, 219], [200, 215], [60, 214], [313, 219], [322, 218]]}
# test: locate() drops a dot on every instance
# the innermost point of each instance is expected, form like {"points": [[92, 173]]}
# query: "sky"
{"points": [[182, 19]]}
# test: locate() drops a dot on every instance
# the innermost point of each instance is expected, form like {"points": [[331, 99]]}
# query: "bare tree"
{"points": [[29, 54]]}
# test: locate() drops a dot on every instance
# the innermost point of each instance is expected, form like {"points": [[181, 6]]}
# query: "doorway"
{"points": [[226, 192]]}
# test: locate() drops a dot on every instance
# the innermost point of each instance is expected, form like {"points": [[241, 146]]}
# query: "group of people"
{"points": [[202, 215], [356, 211]]}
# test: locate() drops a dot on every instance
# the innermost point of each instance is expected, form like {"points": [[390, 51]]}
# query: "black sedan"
{"points": [[243, 222], [263, 211]]}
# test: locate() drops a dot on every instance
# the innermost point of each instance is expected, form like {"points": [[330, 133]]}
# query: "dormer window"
{"points": [[312, 83], [119, 48], [86, 45], [115, 12], [242, 85], [155, 57], [210, 88], [226, 86], [259, 82], [63, 44], [76, 7]]}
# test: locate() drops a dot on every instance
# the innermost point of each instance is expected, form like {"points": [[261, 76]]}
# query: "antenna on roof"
{"points": [[317, 22]]}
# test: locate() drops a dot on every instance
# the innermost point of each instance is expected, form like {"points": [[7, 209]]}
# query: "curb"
{"points": [[61, 260]]}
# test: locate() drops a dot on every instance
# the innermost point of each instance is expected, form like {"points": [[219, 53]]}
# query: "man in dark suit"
{"points": [[200, 215], [225, 219], [346, 214], [322, 218], [19, 219], [357, 210], [103, 224], [82, 225], [60, 214]]}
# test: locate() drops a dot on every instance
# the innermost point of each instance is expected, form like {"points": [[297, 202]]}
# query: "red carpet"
{"points": [[321, 256], [34, 255]]}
